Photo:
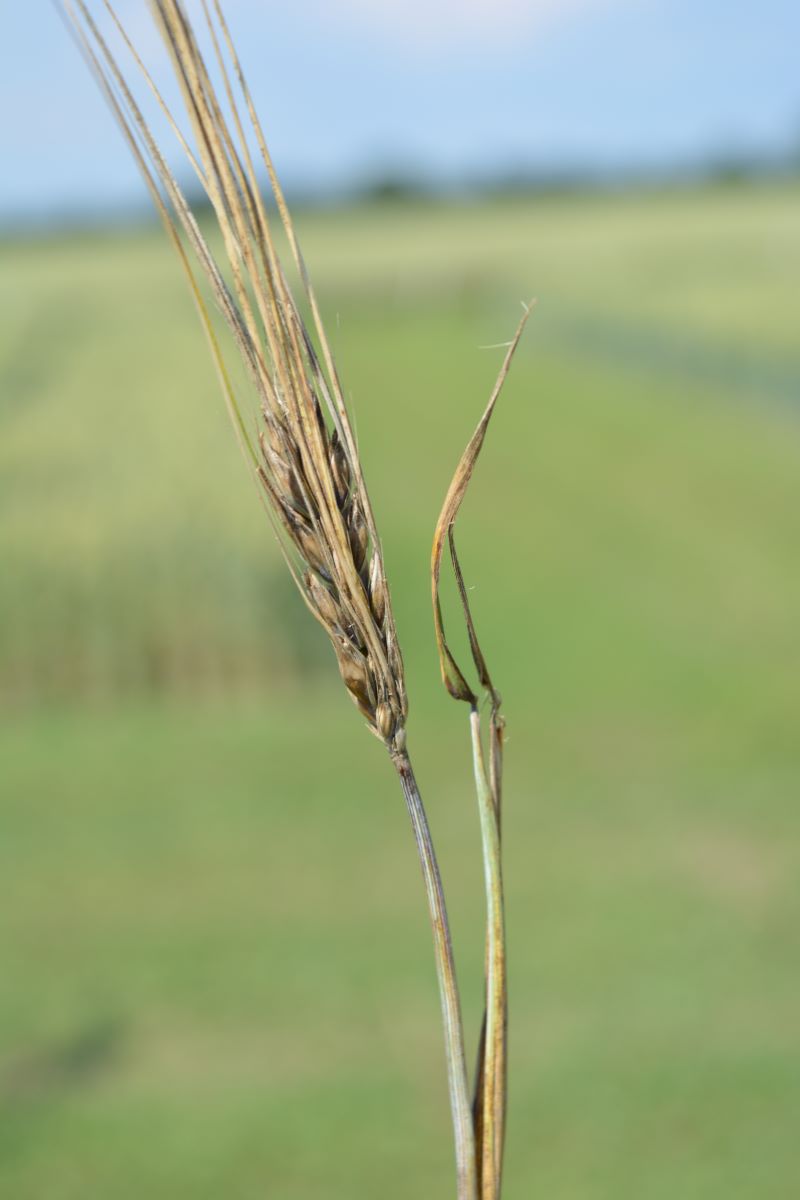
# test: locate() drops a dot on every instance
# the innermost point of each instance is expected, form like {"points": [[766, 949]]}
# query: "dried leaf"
{"points": [[452, 676]]}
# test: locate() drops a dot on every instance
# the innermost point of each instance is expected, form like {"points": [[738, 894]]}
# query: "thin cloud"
{"points": [[438, 23]]}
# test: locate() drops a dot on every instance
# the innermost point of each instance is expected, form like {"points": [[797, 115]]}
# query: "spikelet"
{"points": [[304, 456]]}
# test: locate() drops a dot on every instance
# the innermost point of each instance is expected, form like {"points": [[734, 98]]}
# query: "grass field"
{"points": [[217, 977]]}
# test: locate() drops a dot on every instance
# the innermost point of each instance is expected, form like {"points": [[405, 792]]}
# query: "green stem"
{"points": [[493, 1076], [448, 985]]}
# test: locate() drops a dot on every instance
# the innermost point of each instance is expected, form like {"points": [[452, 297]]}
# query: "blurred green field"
{"points": [[217, 976]]}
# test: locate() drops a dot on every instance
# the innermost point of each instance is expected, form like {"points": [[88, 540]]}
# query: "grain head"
{"points": [[304, 456]]}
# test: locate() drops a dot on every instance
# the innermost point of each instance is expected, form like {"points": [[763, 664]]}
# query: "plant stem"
{"points": [[492, 1078], [448, 986]]}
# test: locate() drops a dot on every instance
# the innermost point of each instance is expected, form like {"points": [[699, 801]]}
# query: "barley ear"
{"points": [[300, 447]]}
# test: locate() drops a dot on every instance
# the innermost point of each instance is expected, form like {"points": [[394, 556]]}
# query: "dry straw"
{"points": [[305, 460]]}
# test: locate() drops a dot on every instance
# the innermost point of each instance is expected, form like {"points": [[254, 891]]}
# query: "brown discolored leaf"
{"points": [[452, 676]]}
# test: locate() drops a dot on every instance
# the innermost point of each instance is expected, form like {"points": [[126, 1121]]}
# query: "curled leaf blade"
{"points": [[452, 676]]}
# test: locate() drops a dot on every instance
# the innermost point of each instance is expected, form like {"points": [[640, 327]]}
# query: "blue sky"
{"points": [[348, 88]]}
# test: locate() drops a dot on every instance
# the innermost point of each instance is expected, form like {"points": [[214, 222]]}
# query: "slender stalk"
{"points": [[448, 985], [492, 1071], [489, 1105]]}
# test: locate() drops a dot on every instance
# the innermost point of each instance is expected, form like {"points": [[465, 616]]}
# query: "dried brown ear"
{"points": [[452, 675]]}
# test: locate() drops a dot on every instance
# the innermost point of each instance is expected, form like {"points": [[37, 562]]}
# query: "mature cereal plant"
{"points": [[306, 463]]}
